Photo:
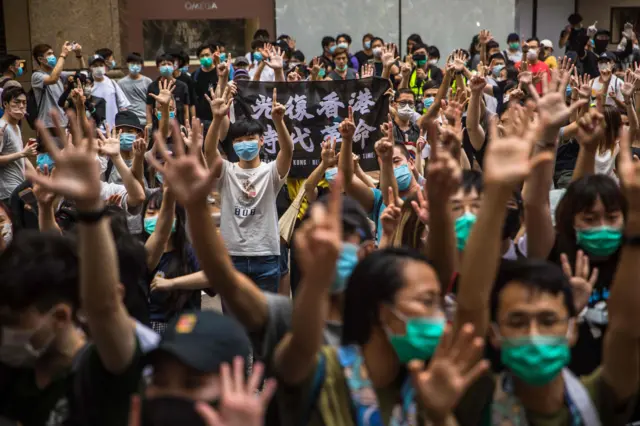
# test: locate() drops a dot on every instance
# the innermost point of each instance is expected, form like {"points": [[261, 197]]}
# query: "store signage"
{"points": [[203, 5]]}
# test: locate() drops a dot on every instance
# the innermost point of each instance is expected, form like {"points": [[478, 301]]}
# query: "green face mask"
{"points": [[599, 241], [421, 63], [420, 340], [536, 360], [514, 46], [463, 228]]}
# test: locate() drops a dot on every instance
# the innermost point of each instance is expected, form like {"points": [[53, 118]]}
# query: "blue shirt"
{"points": [[376, 212]]}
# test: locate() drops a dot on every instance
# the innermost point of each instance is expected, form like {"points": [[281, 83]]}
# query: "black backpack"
{"points": [[33, 106]]}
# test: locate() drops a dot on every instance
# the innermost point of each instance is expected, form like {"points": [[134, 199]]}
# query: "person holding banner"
{"points": [[248, 189]]}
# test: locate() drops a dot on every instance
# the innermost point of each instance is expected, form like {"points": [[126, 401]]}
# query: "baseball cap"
{"points": [[607, 56], [546, 43], [353, 215], [128, 119], [203, 340], [95, 58], [240, 74], [240, 60]]}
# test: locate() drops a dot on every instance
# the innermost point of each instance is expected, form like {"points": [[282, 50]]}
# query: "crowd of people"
{"points": [[487, 273]]}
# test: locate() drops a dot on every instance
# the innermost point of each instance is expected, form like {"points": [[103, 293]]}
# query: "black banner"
{"points": [[314, 110]]}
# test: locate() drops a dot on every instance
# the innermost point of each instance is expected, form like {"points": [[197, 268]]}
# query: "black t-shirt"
{"points": [[363, 58], [435, 74], [203, 82], [575, 37], [23, 215], [186, 79], [180, 94]]}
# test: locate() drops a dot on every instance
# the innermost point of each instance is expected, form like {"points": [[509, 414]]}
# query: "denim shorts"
{"points": [[263, 270]]}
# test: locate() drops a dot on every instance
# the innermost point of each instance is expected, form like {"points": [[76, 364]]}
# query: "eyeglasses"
{"points": [[546, 321], [406, 103]]}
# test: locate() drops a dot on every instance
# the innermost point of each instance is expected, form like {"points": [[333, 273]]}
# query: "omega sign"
{"points": [[204, 5]]}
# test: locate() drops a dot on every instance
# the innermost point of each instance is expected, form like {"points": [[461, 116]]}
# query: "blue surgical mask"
{"points": [[344, 267], [126, 141], [151, 222], [20, 72], [343, 46], [135, 69], [223, 57], [247, 150], [496, 70], [568, 91], [159, 177], [185, 69], [367, 44], [172, 114], [45, 160], [322, 73], [428, 102], [166, 70], [52, 61], [257, 56], [463, 228], [112, 64], [332, 48], [330, 174], [403, 177]]}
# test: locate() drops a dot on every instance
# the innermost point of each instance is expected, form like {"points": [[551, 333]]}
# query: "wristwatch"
{"points": [[91, 217]]}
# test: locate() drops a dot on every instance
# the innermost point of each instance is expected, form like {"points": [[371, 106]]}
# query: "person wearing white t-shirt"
{"points": [[614, 96], [107, 89], [248, 190]]}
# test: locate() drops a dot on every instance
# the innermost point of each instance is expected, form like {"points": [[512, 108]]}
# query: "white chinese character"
{"points": [[300, 136], [329, 105], [270, 140], [362, 102], [296, 108], [263, 106], [363, 130], [332, 132]]}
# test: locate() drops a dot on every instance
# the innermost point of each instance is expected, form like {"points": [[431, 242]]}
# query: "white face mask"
{"points": [[532, 54], [604, 67], [433, 61], [7, 233], [377, 52], [405, 112], [98, 72], [16, 349]]}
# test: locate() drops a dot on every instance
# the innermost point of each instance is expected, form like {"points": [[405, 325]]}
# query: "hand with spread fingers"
{"points": [[452, 369], [109, 143], [328, 154], [44, 197], [220, 104], [581, 283], [552, 108], [590, 129], [166, 92]]}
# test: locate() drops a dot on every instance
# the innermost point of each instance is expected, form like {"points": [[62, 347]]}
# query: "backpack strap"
{"points": [[108, 170], [316, 388], [195, 74], [579, 398], [117, 99]]}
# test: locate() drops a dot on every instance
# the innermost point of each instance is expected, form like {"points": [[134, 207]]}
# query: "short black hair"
{"points": [[262, 34], [402, 148], [297, 54], [135, 57], [533, 39], [513, 37], [404, 91], [40, 270], [105, 52], [40, 50], [178, 56], [204, 46], [327, 40], [375, 281], [492, 44], [163, 57], [344, 36], [367, 36], [12, 93], [433, 52], [373, 40], [420, 46], [575, 18], [497, 56], [471, 179], [415, 38], [245, 127], [7, 61], [535, 274]]}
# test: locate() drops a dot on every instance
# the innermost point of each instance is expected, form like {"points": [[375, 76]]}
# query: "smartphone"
{"points": [[26, 195]]}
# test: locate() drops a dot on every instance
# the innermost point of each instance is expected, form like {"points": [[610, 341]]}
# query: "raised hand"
{"points": [[525, 78], [565, 68], [452, 369], [220, 104], [552, 107], [166, 91], [77, 172], [405, 69], [443, 172], [590, 129], [140, 147], [384, 147], [293, 77], [77, 95], [421, 207], [390, 217], [581, 283], [458, 62], [316, 66], [388, 56], [241, 403], [224, 68], [366, 71], [347, 127], [629, 172], [507, 160], [277, 109], [191, 133], [276, 60], [109, 145], [630, 82], [185, 175], [43, 196], [67, 48], [477, 84], [328, 153], [485, 36], [266, 52], [581, 84]]}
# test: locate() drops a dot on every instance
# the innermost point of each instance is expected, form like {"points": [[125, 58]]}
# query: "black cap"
{"points": [[240, 60], [607, 56], [203, 340], [128, 119], [95, 58], [353, 215]]}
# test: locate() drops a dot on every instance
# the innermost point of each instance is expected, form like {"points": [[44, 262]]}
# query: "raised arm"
{"points": [[434, 109], [621, 350], [328, 160], [353, 187], [590, 132], [384, 151], [77, 178], [285, 155], [506, 165], [276, 63], [45, 200], [137, 165], [630, 82], [54, 77], [164, 99], [219, 109], [318, 243], [191, 183], [474, 129], [388, 57]]}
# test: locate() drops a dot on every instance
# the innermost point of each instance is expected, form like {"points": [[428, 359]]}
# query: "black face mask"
{"points": [[419, 57], [170, 411], [600, 45], [511, 224]]}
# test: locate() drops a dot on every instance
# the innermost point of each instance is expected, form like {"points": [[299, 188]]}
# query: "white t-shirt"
{"points": [[116, 101], [267, 73], [248, 215], [605, 162], [615, 84]]}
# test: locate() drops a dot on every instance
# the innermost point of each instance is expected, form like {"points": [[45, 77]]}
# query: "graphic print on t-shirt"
{"points": [[248, 198]]}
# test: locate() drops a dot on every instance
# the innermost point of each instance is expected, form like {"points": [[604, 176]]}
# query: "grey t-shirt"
{"points": [[248, 215], [52, 95], [11, 174], [136, 92]]}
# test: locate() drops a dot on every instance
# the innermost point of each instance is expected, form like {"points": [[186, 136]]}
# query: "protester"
{"points": [[135, 86], [105, 88], [181, 100]]}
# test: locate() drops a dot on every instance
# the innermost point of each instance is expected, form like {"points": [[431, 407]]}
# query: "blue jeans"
{"points": [[263, 270]]}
